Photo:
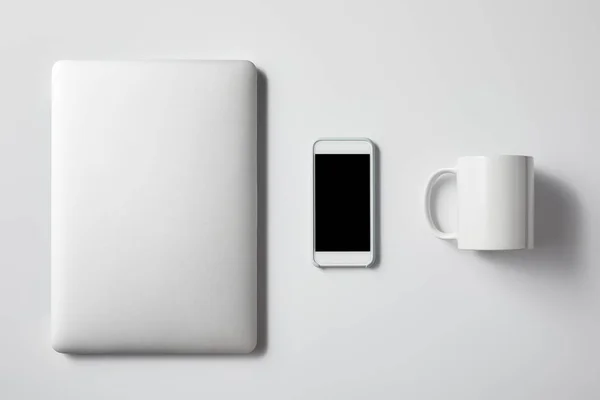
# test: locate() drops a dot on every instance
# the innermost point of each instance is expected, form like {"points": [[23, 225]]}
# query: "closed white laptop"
{"points": [[153, 203]]}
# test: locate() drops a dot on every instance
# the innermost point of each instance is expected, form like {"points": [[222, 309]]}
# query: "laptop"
{"points": [[154, 207]]}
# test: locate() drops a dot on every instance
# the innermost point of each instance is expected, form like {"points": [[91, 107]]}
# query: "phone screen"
{"points": [[342, 202]]}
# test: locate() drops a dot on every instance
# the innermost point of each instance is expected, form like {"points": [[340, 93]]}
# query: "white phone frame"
{"points": [[324, 259]]}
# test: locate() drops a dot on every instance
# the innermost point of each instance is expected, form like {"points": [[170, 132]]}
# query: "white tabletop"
{"points": [[427, 81]]}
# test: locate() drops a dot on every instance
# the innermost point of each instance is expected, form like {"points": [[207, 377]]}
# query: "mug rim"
{"points": [[499, 156]]}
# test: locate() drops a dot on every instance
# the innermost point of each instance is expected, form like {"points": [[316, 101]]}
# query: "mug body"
{"points": [[495, 202]]}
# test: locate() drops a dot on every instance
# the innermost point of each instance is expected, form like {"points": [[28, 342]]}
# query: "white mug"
{"points": [[495, 203]]}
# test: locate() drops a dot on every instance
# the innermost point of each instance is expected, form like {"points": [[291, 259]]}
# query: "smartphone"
{"points": [[343, 203]]}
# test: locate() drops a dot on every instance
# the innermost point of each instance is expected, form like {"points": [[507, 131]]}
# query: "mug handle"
{"points": [[432, 180]]}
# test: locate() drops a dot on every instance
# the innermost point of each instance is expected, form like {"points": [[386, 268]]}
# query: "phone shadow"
{"points": [[377, 207], [376, 219]]}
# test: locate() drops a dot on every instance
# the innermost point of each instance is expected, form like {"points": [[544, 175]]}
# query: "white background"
{"points": [[428, 81]]}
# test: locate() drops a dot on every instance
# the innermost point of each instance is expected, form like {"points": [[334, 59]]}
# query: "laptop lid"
{"points": [[153, 207]]}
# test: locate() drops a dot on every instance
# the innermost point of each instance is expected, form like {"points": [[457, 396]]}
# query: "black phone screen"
{"points": [[342, 202]]}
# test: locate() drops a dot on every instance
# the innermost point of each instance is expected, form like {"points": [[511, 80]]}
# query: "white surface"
{"points": [[154, 212], [495, 197], [346, 258], [428, 81]]}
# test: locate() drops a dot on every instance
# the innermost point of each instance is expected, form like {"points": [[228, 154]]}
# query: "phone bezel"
{"points": [[325, 259]]}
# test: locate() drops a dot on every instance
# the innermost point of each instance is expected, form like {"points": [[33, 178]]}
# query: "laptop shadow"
{"points": [[262, 281]]}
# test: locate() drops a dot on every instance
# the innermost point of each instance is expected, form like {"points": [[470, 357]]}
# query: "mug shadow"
{"points": [[557, 249]]}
